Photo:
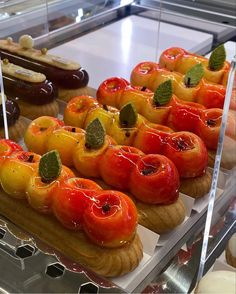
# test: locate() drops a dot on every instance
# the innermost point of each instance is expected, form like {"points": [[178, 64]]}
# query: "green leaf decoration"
{"points": [[217, 58], [194, 75], [163, 93], [128, 116], [50, 166], [95, 135]]}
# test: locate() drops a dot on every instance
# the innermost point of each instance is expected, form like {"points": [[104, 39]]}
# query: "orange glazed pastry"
{"points": [[79, 206], [216, 68], [180, 147], [153, 179], [162, 107]]}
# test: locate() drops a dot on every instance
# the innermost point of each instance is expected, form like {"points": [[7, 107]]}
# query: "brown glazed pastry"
{"points": [[16, 124], [230, 251], [70, 78], [34, 94], [108, 262]]}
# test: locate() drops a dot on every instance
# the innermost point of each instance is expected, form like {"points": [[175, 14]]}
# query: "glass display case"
{"points": [[108, 39]]}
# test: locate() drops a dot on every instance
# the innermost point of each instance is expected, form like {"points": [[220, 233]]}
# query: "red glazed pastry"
{"points": [[111, 219], [178, 59], [188, 153], [155, 180], [72, 209], [96, 155], [71, 198], [199, 90]]}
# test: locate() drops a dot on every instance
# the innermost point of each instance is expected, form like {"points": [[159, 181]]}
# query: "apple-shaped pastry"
{"points": [[171, 57], [105, 116], [142, 73], [188, 152], [65, 140], [7, 147], [208, 127], [155, 180], [135, 95], [151, 138], [77, 110], [125, 125], [184, 116], [90, 149], [211, 95], [39, 190], [189, 87], [70, 199], [111, 220], [217, 69], [116, 165], [38, 132], [16, 171], [110, 91]]}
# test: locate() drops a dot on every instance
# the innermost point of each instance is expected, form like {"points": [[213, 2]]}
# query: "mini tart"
{"points": [[196, 187], [106, 262], [230, 251], [32, 111]]}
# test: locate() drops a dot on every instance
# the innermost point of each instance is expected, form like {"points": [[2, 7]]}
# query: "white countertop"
{"points": [[115, 49]]}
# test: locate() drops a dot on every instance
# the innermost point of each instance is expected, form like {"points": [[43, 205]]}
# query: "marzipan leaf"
{"points": [[128, 116], [217, 58], [50, 166], [163, 93], [194, 75], [95, 135]]}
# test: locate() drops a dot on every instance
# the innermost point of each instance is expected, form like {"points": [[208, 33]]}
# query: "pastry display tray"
{"points": [[39, 263]]}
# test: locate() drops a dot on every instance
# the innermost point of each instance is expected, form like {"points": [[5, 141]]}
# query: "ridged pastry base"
{"points": [[75, 245], [231, 260], [228, 157], [196, 187], [16, 131], [33, 111], [67, 94], [161, 218]]}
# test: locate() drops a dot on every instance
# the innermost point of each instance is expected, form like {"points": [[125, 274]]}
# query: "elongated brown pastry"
{"points": [[34, 94], [70, 78]]}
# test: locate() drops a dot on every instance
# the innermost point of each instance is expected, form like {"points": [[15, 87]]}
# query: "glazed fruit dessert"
{"points": [[185, 149], [152, 180], [163, 107], [216, 68], [70, 78], [74, 215], [192, 85], [16, 124], [34, 94]]}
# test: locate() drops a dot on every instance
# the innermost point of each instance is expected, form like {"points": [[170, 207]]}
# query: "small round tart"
{"points": [[217, 282], [230, 251], [196, 187]]}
